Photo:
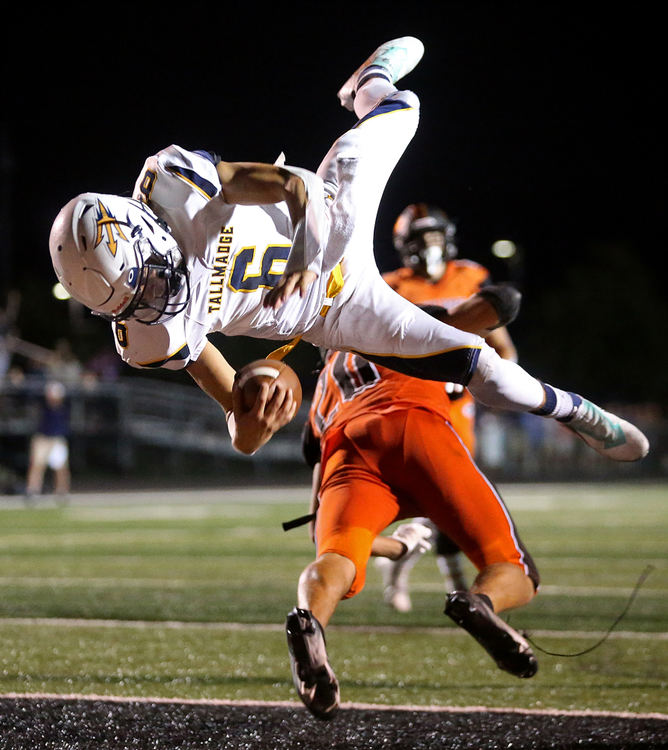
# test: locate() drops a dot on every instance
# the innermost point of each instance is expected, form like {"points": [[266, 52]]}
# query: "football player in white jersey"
{"points": [[278, 252]]}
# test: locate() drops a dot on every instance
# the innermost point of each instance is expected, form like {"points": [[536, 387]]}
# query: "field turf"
{"points": [[178, 599]]}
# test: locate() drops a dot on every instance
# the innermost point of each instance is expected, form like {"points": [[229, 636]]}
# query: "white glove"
{"points": [[414, 537]]}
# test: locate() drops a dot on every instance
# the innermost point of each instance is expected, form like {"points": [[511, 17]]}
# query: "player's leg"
{"points": [[323, 583], [506, 585], [347, 523], [358, 165], [502, 384], [388, 64], [355, 507], [395, 571], [39, 456], [449, 488], [449, 562], [382, 326], [448, 555], [363, 157]]}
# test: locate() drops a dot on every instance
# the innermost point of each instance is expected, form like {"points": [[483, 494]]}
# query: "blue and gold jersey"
{"points": [[234, 255]]}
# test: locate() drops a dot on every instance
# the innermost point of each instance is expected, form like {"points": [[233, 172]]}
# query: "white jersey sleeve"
{"points": [[163, 345], [195, 171], [180, 186]]}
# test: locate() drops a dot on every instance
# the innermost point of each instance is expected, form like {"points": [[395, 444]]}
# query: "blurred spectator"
{"points": [[49, 446], [62, 365], [105, 365], [8, 316], [491, 439]]}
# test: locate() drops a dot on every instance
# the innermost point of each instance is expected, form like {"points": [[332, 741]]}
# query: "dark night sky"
{"points": [[539, 123]]}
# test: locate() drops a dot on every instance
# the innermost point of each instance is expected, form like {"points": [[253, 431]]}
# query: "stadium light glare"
{"points": [[504, 249], [59, 292]]}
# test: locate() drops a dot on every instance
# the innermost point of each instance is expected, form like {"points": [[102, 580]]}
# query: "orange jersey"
{"points": [[350, 386], [461, 279]]}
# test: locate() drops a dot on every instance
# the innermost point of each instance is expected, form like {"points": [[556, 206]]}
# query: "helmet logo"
{"points": [[106, 225]]}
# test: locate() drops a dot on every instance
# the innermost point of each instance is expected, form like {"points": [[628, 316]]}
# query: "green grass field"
{"points": [[184, 595]]}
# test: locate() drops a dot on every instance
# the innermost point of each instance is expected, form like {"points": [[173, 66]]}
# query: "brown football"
{"points": [[250, 376]]}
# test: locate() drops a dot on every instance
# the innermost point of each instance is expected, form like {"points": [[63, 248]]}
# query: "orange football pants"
{"points": [[380, 468]]}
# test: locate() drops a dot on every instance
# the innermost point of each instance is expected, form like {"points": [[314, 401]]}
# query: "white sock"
{"points": [[558, 404], [502, 384], [372, 91]]}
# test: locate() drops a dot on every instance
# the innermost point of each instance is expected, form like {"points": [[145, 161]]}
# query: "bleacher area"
{"points": [[140, 429]]}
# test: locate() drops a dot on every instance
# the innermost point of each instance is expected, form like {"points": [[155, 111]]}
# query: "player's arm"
{"points": [[483, 313], [255, 184], [274, 406], [386, 546], [250, 184], [488, 312]]}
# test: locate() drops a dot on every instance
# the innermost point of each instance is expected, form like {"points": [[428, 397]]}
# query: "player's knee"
{"points": [[409, 98], [357, 584], [332, 573]]}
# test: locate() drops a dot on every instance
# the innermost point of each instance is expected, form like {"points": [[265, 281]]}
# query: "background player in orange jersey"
{"points": [[424, 237], [383, 448]]}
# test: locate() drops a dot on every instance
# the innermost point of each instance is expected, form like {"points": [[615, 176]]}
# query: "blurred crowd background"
{"points": [[541, 124], [129, 428]]}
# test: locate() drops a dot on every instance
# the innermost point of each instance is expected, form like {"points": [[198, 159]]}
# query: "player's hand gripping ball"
{"points": [[250, 376]]}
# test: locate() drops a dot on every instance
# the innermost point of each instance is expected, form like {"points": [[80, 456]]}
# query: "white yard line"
{"points": [[134, 498], [174, 583], [548, 590], [538, 496], [275, 627], [363, 706]]}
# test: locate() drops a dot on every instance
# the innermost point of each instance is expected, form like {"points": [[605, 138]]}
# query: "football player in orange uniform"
{"points": [[383, 448], [424, 237]]}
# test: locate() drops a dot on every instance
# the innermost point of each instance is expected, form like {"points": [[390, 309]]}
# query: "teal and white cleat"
{"points": [[397, 58], [607, 434]]}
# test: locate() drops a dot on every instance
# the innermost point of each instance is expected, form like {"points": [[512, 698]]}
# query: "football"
{"points": [[250, 376]]}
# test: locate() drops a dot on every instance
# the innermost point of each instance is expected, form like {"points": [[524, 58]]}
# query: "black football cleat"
{"points": [[314, 679], [505, 645]]}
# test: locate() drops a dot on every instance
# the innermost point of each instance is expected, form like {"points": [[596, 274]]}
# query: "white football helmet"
{"points": [[115, 256]]}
